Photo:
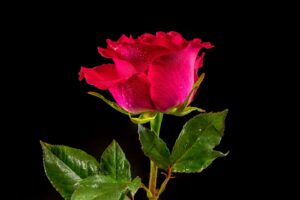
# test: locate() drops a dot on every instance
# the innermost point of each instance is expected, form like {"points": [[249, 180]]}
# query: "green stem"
{"points": [[155, 125]]}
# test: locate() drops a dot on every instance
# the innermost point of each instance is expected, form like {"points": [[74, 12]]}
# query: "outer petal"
{"points": [[124, 68], [126, 39], [158, 40], [102, 77], [172, 76], [133, 94], [199, 61], [138, 54], [147, 38], [171, 40], [198, 64]]}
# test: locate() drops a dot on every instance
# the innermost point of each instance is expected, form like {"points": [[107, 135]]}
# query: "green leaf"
{"points": [[114, 163], [194, 148], [154, 147], [143, 118], [66, 166], [135, 185], [124, 197], [110, 103], [100, 187]]}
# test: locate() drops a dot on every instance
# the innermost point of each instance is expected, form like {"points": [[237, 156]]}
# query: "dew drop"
{"points": [[185, 145]]}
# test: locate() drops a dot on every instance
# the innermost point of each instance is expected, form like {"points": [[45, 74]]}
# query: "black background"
{"points": [[52, 104]]}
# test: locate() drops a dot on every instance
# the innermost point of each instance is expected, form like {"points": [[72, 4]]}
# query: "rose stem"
{"points": [[155, 125]]}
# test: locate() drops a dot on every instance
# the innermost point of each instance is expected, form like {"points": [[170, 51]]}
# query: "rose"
{"points": [[150, 73]]}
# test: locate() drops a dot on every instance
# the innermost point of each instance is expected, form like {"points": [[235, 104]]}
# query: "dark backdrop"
{"points": [[55, 108]]}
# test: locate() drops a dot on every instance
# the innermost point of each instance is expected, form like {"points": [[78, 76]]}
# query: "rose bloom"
{"points": [[151, 73]]}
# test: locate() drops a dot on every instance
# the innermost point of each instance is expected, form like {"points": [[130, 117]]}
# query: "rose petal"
{"points": [[125, 39], [107, 53], [198, 64], [147, 38], [172, 40], [172, 76], [102, 77], [177, 39], [124, 68], [133, 94], [136, 53], [199, 61]]}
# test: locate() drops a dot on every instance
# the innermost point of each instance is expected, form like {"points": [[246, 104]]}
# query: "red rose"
{"points": [[151, 73]]}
